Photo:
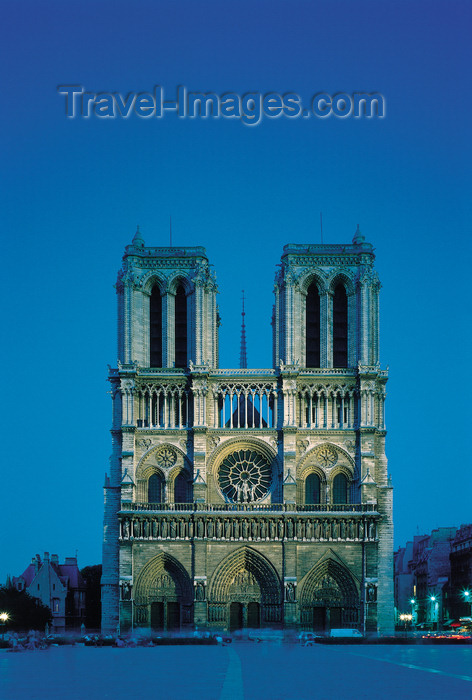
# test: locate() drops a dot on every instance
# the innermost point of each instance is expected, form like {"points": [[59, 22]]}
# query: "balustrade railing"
{"points": [[251, 507]]}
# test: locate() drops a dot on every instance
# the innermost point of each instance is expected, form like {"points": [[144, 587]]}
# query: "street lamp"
{"points": [[468, 599], [413, 610], [3, 621], [406, 618], [434, 606]]}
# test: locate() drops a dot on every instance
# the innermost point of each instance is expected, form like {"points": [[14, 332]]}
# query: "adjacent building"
{"points": [[248, 497], [460, 589], [59, 586], [432, 575]]}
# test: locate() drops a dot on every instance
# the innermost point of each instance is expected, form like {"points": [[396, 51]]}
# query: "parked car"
{"points": [[345, 634]]}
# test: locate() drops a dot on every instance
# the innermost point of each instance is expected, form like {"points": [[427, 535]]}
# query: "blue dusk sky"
{"points": [[75, 189]]}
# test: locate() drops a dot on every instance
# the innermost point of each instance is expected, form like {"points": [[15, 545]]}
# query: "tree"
{"points": [[93, 604], [24, 612]]}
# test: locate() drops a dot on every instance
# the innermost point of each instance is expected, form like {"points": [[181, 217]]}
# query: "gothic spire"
{"points": [[243, 353]]}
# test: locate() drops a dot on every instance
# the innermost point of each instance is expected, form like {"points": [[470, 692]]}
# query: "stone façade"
{"points": [[248, 464]]}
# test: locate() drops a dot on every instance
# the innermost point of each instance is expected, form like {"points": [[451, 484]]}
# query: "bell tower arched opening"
{"points": [[155, 328], [181, 359], [312, 318]]}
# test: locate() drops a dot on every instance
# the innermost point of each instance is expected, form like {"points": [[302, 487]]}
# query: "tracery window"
{"points": [[340, 328], [340, 489], [312, 317], [155, 328], [244, 476]]}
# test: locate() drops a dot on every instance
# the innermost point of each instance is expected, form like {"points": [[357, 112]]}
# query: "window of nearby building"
{"points": [[155, 327], [312, 315], [312, 489], [340, 489], [55, 605], [180, 327], [340, 327]]}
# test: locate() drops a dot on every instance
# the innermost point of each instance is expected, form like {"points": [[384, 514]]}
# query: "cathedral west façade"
{"points": [[248, 497]]}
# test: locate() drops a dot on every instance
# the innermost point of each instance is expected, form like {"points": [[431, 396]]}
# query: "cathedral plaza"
{"points": [[248, 498]]}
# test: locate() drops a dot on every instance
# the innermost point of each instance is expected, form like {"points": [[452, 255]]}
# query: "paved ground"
{"points": [[239, 671]]}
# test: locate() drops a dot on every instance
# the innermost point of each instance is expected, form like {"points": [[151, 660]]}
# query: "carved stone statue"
{"points": [[182, 529], [227, 529], [290, 529], [126, 529], [173, 529], [272, 530], [236, 529], [200, 528], [155, 528], [218, 529], [164, 529], [290, 592], [210, 529], [371, 593], [200, 591], [255, 529], [245, 529], [280, 529]]}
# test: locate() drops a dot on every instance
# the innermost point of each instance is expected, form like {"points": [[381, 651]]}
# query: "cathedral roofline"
{"points": [[166, 252], [328, 249]]}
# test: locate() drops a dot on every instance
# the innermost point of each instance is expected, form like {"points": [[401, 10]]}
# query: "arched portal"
{"points": [[245, 591], [329, 598], [163, 595]]}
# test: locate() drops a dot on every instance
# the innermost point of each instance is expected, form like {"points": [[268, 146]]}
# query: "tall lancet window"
{"points": [[313, 327], [155, 328], [340, 327], [180, 327]]}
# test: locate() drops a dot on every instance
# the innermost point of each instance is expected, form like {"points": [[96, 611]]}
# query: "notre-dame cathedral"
{"points": [[244, 498]]}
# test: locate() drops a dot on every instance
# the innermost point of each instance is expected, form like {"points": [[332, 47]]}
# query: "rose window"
{"points": [[327, 456], [244, 476], [166, 457]]}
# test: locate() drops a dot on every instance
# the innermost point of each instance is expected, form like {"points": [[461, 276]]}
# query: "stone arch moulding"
{"points": [[341, 277], [329, 566], [150, 280], [307, 280], [310, 458], [148, 457], [163, 563], [245, 559], [177, 279]]}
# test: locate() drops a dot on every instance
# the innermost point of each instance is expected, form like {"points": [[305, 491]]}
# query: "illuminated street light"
{"points": [[4, 617], [406, 618], [468, 599]]}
